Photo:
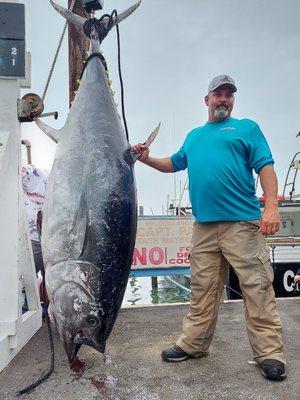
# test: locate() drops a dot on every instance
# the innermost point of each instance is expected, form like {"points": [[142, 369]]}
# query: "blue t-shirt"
{"points": [[220, 157]]}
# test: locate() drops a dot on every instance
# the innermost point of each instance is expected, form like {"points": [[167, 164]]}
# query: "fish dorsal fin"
{"points": [[148, 142], [48, 130]]}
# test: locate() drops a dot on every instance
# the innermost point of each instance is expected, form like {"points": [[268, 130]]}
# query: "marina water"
{"points": [[139, 291]]}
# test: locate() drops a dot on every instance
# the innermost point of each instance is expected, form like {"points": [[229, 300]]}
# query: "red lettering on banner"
{"points": [[179, 261], [186, 249], [139, 257], [156, 255]]}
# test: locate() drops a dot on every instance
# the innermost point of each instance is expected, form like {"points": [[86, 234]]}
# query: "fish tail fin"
{"points": [[148, 142], [69, 15]]}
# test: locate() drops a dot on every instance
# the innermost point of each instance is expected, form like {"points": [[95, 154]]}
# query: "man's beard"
{"points": [[221, 112]]}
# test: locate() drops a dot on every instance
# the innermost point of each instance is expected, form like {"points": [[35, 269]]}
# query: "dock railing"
{"points": [[163, 245]]}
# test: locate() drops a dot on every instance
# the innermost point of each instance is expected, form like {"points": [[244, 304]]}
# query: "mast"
{"points": [[78, 47]]}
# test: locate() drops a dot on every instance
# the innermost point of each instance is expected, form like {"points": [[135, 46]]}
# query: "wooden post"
{"points": [[78, 47], [154, 282]]}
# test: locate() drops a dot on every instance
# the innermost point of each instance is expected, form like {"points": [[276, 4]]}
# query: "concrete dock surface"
{"points": [[133, 369]]}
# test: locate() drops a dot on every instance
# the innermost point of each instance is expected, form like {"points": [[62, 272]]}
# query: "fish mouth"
{"points": [[71, 348], [72, 344], [81, 339]]}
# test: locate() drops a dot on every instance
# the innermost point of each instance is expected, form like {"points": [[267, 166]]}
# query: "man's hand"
{"points": [[141, 149], [270, 221], [161, 164]]}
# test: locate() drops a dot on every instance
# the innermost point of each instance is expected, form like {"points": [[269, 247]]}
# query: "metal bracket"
{"points": [[31, 107], [49, 114]]}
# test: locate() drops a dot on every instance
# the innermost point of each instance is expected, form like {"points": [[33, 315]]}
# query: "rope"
{"points": [[90, 57], [56, 54], [102, 32], [121, 83], [51, 369], [100, 28], [46, 304]]}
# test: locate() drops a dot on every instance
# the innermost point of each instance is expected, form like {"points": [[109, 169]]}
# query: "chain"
{"points": [[56, 54]]}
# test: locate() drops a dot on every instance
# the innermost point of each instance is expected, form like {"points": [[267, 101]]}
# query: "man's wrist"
{"points": [[273, 202], [146, 160]]}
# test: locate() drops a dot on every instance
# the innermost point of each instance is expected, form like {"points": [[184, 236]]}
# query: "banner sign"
{"points": [[162, 242]]}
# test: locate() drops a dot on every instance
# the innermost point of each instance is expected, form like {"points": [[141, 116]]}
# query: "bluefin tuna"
{"points": [[90, 212]]}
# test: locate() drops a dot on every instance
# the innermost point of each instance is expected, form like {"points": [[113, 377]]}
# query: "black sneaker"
{"points": [[174, 353], [273, 369]]}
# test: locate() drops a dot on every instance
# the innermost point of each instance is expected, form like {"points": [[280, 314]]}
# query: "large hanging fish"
{"points": [[89, 216]]}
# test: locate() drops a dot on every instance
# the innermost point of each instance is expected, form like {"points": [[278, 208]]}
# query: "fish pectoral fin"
{"points": [[48, 130], [148, 142]]}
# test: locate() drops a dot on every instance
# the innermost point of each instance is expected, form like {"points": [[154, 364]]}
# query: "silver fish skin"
{"points": [[89, 216]]}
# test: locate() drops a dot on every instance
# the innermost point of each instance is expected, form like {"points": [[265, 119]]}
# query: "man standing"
{"points": [[220, 157]]}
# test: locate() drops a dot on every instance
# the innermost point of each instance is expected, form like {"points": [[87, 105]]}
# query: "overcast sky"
{"points": [[170, 50]]}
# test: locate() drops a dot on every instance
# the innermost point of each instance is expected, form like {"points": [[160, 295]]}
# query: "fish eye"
{"points": [[93, 321]]}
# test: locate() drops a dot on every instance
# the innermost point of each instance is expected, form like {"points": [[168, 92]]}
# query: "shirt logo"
{"points": [[227, 128]]}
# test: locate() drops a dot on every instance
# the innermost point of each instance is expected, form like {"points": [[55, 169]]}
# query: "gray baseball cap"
{"points": [[221, 80]]}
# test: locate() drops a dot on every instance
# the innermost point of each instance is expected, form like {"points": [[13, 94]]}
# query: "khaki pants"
{"points": [[244, 248]]}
